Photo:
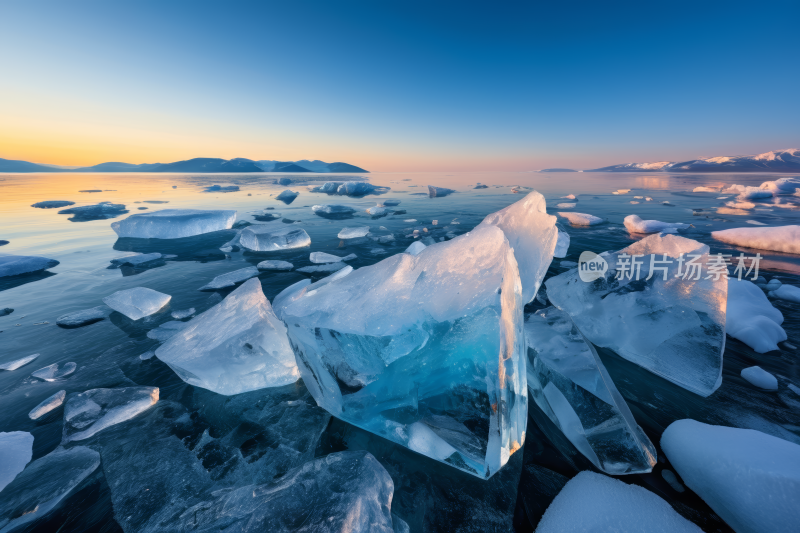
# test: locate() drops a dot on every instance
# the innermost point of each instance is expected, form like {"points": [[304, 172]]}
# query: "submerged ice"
{"points": [[92, 411]]}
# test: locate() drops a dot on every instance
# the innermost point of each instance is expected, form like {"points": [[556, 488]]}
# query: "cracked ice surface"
{"points": [[237, 346], [174, 223], [675, 328], [568, 381], [94, 410], [442, 373]]}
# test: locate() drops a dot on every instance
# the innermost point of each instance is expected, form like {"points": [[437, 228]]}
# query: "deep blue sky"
{"points": [[398, 85]]}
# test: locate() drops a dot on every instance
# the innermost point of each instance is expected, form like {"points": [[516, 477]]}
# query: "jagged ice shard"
{"points": [[237, 346], [442, 372], [568, 381], [670, 325]]}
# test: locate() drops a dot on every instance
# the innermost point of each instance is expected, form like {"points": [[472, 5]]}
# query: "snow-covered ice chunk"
{"points": [[53, 402], [287, 196], [435, 192], [750, 479], [183, 313], [14, 265], [90, 412], [634, 224], [53, 372], [581, 219], [532, 233], [600, 504], [17, 363], [760, 378], [138, 302], [562, 245], [751, 318], [84, 317], [434, 359], [786, 292], [237, 346], [782, 186], [342, 492], [174, 223], [378, 211], [779, 239], [327, 267], [774, 284], [322, 257], [231, 278], [167, 330], [569, 197], [99, 211], [415, 248], [16, 450], [353, 233], [274, 237], [706, 189], [272, 264], [44, 484], [671, 326], [51, 204], [568, 381]]}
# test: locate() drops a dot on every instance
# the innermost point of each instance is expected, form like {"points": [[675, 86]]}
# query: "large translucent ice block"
{"points": [[672, 325], [422, 350], [532, 234], [237, 346], [174, 223], [568, 381]]}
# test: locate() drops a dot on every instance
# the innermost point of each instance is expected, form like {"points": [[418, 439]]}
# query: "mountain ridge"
{"points": [[773, 161]]}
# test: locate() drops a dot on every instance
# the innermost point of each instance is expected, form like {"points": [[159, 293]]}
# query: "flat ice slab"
{"points": [[55, 371], [14, 265], [17, 363], [332, 210], [99, 211], [273, 237], [16, 450], [353, 233], [434, 357], [601, 504], [327, 267], [672, 326], [779, 239], [53, 402], [44, 484], [52, 204], [174, 223], [237, 346], [581, 219], [272, 264], [750, 479], [230, 279], [89, 412], [84, 317], [138, 302], [322, 257], [568, 381]]}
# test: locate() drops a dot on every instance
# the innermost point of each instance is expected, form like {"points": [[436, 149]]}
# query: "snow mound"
{"points": [[751, 318], [581, 219], [634, 224], [778, 239]]}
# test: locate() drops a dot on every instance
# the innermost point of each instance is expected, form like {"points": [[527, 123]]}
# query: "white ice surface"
{"points": [[174, 223]]}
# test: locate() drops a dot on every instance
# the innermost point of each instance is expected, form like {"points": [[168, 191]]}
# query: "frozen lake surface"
{"points": [[281, 428]]}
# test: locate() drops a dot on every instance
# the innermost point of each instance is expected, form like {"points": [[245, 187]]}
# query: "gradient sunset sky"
{"points": [[398, 86]]}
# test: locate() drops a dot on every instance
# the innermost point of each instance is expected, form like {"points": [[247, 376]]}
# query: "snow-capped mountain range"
{"points": [[773, 161]]}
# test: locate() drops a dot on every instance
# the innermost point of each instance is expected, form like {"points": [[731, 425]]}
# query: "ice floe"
{"points": [[16, 450], [183, 313], [52, 204], [581, 219], [101, 211], [139, 260], [84, 317], [54, 372], [222, 188], [435, 192], [327, 267], [138, 302], [18, 363], [760, 378], [353, 233], [15, 265], [273, 237], [174, 223], [790, 293], [671, 326], [167, 330], [48, 405], [378, 211], [236, 346], [322, 257], [230, 279], [90, 412], [287, 196], [779, 238], [750, 479], [272, 264], [568, 381], [634, 224], [333, 210]]}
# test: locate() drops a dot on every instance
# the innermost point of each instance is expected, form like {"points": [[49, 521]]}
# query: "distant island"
{"points": [[198, 164], [774, 161], [558, 170]]}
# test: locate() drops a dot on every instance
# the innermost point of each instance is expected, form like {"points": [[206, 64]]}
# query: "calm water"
{"points": [[82, 279]]}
